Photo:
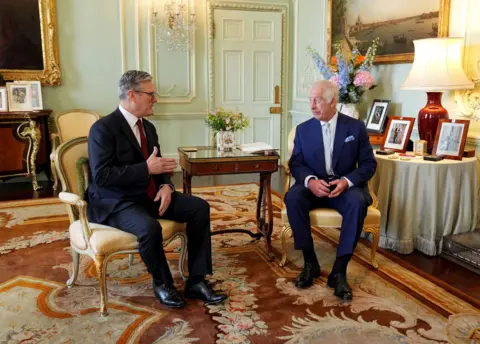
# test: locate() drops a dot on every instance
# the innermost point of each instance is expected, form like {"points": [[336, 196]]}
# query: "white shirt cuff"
{"points": [[308, 178], [350, 184]]}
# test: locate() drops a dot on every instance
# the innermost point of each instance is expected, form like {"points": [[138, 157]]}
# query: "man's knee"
{"points": [[355, 200], [295, 196], [149, 231]]}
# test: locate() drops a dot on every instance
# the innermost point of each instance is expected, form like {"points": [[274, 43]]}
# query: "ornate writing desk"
{"points": [[206, 161], [24, 144]]}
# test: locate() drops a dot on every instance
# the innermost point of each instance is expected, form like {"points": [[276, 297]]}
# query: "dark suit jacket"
{"points": [[118, 169], [352, 153]]}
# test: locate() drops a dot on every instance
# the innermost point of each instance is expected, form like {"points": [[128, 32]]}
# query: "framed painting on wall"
{"points": [[28, 41], [396, 24]]}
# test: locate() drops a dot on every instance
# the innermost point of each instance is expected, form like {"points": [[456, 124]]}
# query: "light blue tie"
{"points": [[327, 146]]}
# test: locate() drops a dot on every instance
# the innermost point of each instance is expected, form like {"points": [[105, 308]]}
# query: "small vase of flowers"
{"points": [[224, 123], [348, 70]]}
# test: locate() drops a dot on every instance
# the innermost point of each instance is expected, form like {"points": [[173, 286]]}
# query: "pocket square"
{"points": [[350, 138]]}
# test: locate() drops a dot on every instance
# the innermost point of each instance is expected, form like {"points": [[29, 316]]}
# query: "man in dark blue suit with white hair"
{"points": [[332, 162]]}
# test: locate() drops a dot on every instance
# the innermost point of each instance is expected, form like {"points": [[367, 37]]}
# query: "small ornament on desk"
{"points": [[385, 151], [434, 158], [469, 153], [420, 148]]}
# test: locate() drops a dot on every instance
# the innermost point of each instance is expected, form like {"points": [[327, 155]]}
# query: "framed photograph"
{"points": [[377, 118], [3, 99], [450, 138], [396, 25], [29, 44], [398, 133], [19, 96], [36, 94]]}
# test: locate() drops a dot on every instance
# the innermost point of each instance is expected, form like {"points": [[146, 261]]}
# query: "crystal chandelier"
{"points": [[176, 28]]}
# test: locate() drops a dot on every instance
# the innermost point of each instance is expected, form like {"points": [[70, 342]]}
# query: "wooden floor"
{"points": [[438, 269]]}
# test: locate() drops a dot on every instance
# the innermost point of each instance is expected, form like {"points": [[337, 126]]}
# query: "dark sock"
{"points": [[192, 280], [309, 256], [340, 265]]}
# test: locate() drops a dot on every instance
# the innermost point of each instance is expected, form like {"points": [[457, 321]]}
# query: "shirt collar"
{"points": [[130, 118], [332, 121]]}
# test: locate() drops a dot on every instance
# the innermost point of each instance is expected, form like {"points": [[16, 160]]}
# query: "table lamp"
{"points": [[437, 67]]}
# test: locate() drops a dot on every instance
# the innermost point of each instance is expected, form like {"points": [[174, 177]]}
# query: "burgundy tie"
{"points": [[152, 189]]}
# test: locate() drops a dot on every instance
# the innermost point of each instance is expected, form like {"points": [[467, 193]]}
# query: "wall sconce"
{"points": [[175, 28]]}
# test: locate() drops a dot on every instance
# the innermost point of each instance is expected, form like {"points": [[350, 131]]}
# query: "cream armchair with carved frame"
{"points": [[98, 241], [325, 217], [70, 125]]}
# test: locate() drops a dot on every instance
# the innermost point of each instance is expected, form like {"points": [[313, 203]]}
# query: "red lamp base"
{"points": [[428, 118]]}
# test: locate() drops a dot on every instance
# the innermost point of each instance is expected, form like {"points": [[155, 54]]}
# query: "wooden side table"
{"points": [[206, 161], [24, 144]]}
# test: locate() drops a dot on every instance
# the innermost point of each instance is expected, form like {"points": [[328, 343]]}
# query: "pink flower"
{"points": [[335, 80], [363, 79]]}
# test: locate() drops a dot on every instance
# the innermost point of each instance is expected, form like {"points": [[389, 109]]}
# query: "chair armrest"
{"points": [[76, 201], [53, 140], [373, 195]]}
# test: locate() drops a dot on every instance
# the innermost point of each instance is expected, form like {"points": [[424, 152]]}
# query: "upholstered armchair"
{"points": [[98, 241], [325, 217], [69, 125]]}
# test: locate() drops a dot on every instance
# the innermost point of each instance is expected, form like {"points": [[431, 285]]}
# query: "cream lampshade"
{"points": [[437, 67]]}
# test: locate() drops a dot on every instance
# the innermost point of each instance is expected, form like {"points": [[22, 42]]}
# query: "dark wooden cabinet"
{"points": [[24, 144]]}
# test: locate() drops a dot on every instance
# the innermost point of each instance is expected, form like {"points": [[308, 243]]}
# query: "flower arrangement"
{"points": [[349, 70], [226, 120]]}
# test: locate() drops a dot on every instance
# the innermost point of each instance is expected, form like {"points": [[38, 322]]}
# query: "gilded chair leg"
{"points": [[183, 254], [286, 230], [130, 259], [376, 238], [100, 264], [54, 173], [75, 265]]}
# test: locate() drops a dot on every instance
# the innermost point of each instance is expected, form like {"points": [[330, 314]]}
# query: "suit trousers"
{"points": [[140, 219], [351, 204]]}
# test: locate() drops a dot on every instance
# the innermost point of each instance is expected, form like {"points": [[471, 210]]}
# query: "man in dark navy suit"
{"points": [[130, 189], [332, 161]]}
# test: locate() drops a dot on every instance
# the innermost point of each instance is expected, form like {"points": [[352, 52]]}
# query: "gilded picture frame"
{"points": [[395, 34], [23, 14]]}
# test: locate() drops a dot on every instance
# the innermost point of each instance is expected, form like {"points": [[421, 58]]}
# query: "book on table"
{"points": [[257, 148]]}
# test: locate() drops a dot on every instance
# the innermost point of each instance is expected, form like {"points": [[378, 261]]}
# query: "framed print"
{"points": [[3, 99], [450, 138], [36, 93], [19, 97], [378, 114], [396, 24], [399, 130], [29, 44]]}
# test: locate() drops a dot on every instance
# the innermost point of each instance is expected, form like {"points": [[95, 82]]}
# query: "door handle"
{"points": [[277, 94]]}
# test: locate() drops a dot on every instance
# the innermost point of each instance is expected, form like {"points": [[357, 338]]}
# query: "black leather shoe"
{"points": [[338, 281], [305, 278], [204, 292], [168, 296]]}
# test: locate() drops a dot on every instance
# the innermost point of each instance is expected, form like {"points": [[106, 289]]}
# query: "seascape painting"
{"points": [[396, 24]]}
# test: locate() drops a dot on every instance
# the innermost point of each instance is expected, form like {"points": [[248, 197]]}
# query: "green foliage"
{"points": [[222, 120]]}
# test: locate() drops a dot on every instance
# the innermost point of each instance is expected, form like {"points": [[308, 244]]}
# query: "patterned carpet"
{"points": [[391, 305]]}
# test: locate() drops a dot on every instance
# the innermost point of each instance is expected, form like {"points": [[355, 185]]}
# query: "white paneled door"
{"points": [[247, 59]]}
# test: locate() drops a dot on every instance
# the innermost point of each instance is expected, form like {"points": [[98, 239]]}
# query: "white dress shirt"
{"points": [[132, 122], [333, 127]]}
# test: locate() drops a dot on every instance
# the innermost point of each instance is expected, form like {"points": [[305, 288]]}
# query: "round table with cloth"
{"points": [[423, 201]]}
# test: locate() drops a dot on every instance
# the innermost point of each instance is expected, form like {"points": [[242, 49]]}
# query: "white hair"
{"points": [[329, 89]]}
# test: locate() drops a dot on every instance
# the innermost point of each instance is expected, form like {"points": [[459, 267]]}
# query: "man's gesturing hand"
{"points": [[164, 195], [157, 165], [319, 187]]}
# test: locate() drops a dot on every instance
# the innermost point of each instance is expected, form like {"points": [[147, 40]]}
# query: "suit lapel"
{"points": [[148, 131], [339, 140], [318, 139], [128, 131]]}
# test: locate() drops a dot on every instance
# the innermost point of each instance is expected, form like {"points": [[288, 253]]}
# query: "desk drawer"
{"points": [[253, 166], [213, 168]]}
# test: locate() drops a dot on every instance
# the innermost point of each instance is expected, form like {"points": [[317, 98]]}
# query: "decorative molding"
{"points": [[123, 51], [50, 75], [259, 7]]}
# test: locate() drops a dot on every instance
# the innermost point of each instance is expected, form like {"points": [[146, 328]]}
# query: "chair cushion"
{"points": [[106, 239], [325, 217]]}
